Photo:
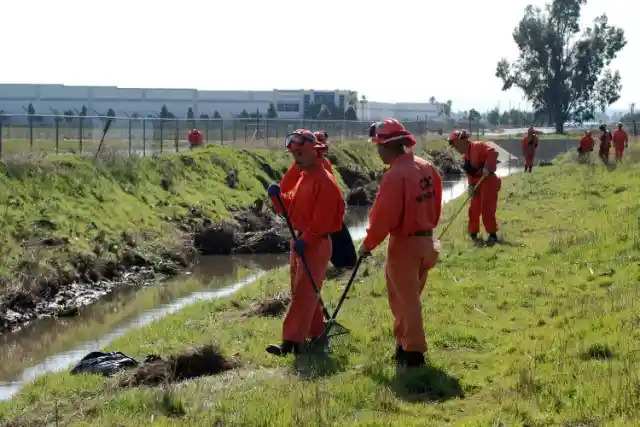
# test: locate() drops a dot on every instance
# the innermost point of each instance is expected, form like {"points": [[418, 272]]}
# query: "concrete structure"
{"points": [[15, 98], [403, 111]]}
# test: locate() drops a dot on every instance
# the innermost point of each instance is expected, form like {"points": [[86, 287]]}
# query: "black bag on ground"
{"points": [[343, 251], [105, 364]]}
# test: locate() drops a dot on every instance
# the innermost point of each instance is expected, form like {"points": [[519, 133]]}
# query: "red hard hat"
{"points": [[301, 137], [390, 130], [458, 135], [321, 136]]}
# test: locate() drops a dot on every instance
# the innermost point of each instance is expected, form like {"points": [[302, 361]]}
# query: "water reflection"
{"points": [[59, 343]]}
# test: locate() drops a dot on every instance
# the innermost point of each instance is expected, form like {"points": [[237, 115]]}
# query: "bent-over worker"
{"points": [[407, 206], [620, 142], [480, 162], [530, 144], [315, 208], [292, 176]]}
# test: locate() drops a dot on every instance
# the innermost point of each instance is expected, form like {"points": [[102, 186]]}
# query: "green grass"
{"points": [[104, 209], [542, 330]]}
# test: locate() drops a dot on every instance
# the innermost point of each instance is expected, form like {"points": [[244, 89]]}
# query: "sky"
{"points": [[399, 51]]}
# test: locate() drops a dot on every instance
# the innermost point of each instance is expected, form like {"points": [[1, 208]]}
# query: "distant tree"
{"points": [[363, 101], [68, 116], [350, 113], [31, 110], [568, 80], [324, 113], [135, 115], [190, 114], [446, 108], [256, 115], [312, 111], [432, 100], [204, 116], [111, 112], [216, 115], [83, 111], [272, 113], [164, 112], [352, 99], [243, 115], [493, 116], [473, 115]]}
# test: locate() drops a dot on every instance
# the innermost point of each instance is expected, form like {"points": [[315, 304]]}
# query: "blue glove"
{"points": [[299, 246], [273, 190]]}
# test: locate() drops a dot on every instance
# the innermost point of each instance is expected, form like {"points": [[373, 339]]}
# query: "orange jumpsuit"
{"points": [[586, 144], [485, 200], [605, 146], [292, 176], [316, 208], [620, 140], [407, 206], [529, 146]]}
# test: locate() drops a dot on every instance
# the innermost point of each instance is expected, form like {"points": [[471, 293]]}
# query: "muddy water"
{"points": [[54, 344]]}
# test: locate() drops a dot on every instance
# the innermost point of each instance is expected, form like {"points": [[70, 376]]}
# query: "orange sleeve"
{"points": [[328, 167], [437, 187], [386, 212], [290, 179], [328, 212], [491, 158]]}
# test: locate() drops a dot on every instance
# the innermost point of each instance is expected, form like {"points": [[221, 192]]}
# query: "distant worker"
{"points": [[529, 146], [620, 142], [407, 207], [195, 138], [480, 162], [292, 176], [586, 147], [605, 144], [316, 209]]}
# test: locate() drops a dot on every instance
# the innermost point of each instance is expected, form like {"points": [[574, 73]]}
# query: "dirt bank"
{"points": [[72, 231]]}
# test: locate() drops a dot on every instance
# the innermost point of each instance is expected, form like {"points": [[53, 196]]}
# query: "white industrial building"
{"points": [[49, 99]]}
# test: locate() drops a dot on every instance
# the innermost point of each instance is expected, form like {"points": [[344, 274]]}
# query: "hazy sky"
{"points": [[404, 50]]}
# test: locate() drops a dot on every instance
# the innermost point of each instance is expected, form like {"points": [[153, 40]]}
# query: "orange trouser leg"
{"points": [[619, 152], [475, 209], [302, 312], [489, 203], [408, 262], [528, 161]]}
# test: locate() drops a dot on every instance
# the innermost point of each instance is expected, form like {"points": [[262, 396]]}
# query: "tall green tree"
{"points": [[446, 108], [493, 117], [559, 70], [272, 113]]}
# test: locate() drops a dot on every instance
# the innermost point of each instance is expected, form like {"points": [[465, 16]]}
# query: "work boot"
{"points": [[284, 349], [413, 359], [474, 236], [492, 239], [319, 344]]}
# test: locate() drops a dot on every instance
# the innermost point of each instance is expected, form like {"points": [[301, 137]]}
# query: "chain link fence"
{"points": [[37, 134]]}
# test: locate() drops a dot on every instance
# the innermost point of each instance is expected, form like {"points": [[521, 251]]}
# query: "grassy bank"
{"points": [[541, 330]]}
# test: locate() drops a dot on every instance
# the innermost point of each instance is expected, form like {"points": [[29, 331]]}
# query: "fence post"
{"points": [[144, 137], [206, 130], [1, 124], [57, 119], [176, 137], [221, 131], [31, 132], [266, 130], [81, 132], [161, 135], [129, 136]]}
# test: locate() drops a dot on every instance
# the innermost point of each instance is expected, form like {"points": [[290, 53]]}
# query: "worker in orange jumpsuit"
{"points": [[407, 207], [195, 138], [480, 161], [586, 147], [605, 144], [620, 142], [292, 176], [315, 208], [529, 146]]}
